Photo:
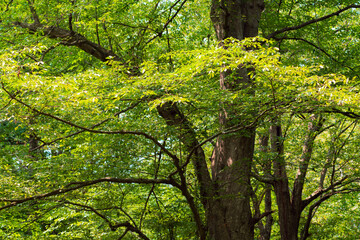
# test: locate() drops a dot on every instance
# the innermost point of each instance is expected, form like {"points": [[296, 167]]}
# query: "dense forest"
{"points": [[179, 119]]}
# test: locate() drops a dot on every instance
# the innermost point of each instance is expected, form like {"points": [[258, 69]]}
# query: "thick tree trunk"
{"points": [[230, 214], [229, 209]]}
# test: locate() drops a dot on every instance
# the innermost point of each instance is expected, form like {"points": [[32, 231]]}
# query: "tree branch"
{"points": [[321, 191], [305, 232], [159, 34], [268, 178], [92, 127], [314, 129], [174, 117], [318, 48], [71, 38], [88, 208], [78, 185], [257, 219], [8, 5], [33, 12], [113, 227], [348, 113], [232, 129], [131, 228], [138, 133], [287, 29]]}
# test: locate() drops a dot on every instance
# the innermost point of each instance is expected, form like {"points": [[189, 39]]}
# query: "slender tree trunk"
{"points": [[288, 219], [290, 208], [229, 209], [265, 230]]}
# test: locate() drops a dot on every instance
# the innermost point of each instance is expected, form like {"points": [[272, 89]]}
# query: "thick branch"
{"points": [[230, 130], [71, 38], [257, 219], [268, 178], [131, 228], [174, 117]]}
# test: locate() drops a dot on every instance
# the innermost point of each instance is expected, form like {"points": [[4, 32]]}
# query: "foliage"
{"points": [[98, 131]]}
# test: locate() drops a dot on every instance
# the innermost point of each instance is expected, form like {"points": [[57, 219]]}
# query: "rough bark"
{"points": [[230, 214]]}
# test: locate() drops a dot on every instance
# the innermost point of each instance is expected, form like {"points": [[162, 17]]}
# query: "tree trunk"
{"points": [[229, 209], [288, 218], [290, 208], [265, 230]]}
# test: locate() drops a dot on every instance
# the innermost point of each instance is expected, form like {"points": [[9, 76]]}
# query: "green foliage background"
{"points": [[294, 77]]}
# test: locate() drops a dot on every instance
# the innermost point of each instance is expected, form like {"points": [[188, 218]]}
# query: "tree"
{"points": [[128, 116]]}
